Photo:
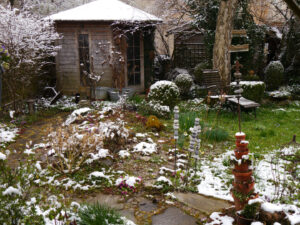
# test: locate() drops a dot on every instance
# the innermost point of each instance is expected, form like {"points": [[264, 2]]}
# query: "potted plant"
{"points": [[249, 214]]}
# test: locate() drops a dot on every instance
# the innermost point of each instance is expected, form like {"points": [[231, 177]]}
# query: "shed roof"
{"points": [[104, 10]]}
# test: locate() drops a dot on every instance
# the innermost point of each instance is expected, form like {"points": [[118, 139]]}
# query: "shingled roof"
{"points": [[104, 10]]}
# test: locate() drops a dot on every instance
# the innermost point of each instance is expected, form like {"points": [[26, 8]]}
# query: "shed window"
{"points": [[84, 58], [133, 59]]}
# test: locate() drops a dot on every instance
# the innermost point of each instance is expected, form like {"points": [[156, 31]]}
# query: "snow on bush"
{"points": [[64, 103], [163, 183], [114, 134], [12, 191], [145, 148], [128, 184], [164, 92], [184, 83], [2, 156], [274, 75], [29, 41], [155, 108], [75, 114], [71, 147], [124, 154], [102, 154], [7, 134]]}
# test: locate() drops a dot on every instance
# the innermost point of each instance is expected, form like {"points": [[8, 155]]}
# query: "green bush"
{"points": [[165, 93], [99, 215], [154, 108], [184, 83], [217, 135], [274, 75], [16, 188], [198, 72], [252, 90]]}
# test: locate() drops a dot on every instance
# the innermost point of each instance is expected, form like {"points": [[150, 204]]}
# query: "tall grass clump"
{"points": [[216, 135], [187, 120], [97, 214]]}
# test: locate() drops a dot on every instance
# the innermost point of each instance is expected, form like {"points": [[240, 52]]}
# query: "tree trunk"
{"points": [[221, 54]]}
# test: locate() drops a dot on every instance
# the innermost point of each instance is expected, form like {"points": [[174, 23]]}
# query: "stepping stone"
{"points": [[202, 203], [173, 216], [112, 201], [147, 205], [129, 214]]}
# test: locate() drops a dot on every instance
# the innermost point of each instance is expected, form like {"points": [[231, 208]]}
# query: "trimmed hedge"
{"points": [[253, 90], [274, 75]]}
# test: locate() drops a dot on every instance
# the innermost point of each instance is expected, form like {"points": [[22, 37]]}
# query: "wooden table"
{"points": [[245, 103]]}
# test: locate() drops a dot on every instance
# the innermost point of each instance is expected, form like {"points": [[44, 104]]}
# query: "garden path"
{"points": [[34, 133]]}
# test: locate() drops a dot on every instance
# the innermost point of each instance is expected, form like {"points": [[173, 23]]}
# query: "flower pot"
{"points": [[238, 203], [243, 167], [242, 176], [114, 95], [243, 221], [242, 145], [239, 137], [102, 93], [128, 91], [239, 153], [244, 187]]}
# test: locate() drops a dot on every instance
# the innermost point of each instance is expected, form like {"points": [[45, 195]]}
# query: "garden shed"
{"points": [[107, 38]]}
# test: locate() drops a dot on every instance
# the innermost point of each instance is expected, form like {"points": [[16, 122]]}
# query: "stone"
{"points": [[146, 205], [173, 216], [129, 214], [206, 205], [113, 201]]}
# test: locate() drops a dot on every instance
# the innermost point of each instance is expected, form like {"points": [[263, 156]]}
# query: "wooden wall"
{"points": [[67, 60]]}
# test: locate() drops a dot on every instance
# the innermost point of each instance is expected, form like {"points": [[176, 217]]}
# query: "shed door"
{"points": [[133, 59]]}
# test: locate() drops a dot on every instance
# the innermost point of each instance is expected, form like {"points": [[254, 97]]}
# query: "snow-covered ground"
{"points": [[7, 134]]}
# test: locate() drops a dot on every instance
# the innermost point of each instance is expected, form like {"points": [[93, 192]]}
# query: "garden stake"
{"points": [[243, 184], [239, 90], [192, 145], [176, 135]]}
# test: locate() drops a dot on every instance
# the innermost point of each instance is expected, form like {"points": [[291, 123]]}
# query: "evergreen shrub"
{"points": [[164, 92], [184, 83], [274, 75]]}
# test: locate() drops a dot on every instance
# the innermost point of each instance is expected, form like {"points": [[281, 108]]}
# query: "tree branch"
{"points": [[294, 6]]}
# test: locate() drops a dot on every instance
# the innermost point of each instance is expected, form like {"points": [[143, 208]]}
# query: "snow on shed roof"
{"points": [[104, 10]]}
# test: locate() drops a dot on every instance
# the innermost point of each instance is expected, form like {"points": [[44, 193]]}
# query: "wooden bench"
{"points": [[245, 103], [212, 82]]}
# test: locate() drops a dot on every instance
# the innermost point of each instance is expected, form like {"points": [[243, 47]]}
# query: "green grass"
{"points": [[217, 135], [99, 215], [270, 130]]}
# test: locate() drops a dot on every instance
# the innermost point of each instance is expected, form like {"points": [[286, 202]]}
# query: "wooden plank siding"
{"points": [[67, 60]]}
